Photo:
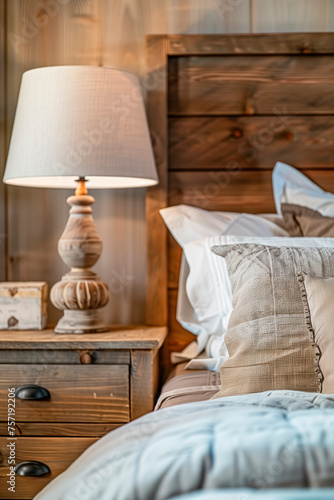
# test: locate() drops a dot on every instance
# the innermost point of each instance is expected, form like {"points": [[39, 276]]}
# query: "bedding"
{"points": [[318, 298], [291, 186], [275, 439], [269, 343], [303, 221], [196, 283], [209, 273]]}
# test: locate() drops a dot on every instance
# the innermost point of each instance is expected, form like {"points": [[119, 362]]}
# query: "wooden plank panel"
{"points": [[57, 453], [3, 139], [239, 191], [156, 198], [125, 24], [290, 15], [72, 357], [122, 30], [144, 381], [178, 338], [101, 391], [217, 16], [278, 43], [64, 429], [237, 85], [251, 142], [174, 262]]}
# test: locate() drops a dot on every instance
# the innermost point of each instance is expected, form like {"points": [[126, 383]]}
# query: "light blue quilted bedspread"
{"points": [[279, 439]]}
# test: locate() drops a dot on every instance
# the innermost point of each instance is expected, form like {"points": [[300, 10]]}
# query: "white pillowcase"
{"points": [[196, 311], [291, 186], [213, 310], [188, 223]]}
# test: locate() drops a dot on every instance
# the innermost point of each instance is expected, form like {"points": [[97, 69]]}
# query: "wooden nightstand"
{"points": [[93, 383]]}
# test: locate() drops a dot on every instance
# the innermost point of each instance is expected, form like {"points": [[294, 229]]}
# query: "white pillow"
{"points": [[188, 223], [210, 313], [291, 186]]}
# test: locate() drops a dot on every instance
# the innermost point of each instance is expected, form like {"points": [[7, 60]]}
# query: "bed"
{"points": [[222, 111]]}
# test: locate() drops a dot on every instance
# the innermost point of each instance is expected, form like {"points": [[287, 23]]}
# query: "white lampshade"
{"points": [[80, 121]]}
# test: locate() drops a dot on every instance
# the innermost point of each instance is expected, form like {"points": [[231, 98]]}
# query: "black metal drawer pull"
{"points": [[32, 468], [32, 392]]}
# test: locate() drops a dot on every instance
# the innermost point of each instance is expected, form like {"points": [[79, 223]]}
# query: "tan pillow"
{"points": [[269, 343], [303, 221], [318, 297]]}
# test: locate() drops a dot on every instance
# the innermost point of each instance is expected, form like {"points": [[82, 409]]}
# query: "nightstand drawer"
{"points": [[78, 393], [56, 453]]}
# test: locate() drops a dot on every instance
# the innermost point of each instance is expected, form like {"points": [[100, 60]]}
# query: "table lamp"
{"points": [[80, 124]]}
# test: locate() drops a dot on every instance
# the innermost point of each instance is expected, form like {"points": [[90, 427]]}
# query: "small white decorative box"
{"points": [[23, 305]]}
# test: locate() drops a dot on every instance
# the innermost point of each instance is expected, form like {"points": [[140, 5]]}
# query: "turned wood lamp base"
{"points": [[80, 293], [79, 322]]}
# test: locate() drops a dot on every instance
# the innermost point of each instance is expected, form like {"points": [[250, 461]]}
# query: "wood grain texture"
{"points": [[32, 33], [120, 214], [194, 16], [291, 15], [225, 143], [238, 191], [174, 262], [73, 356], [57, 453], [269, 43], [120, 337], [178, 338], [128, 21], [144, 381], [251, 85], [64, 429], [156, 198], [80, 247], [78, 393]]}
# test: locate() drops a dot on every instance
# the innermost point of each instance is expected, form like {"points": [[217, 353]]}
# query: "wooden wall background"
{"points": [[36, 33]]}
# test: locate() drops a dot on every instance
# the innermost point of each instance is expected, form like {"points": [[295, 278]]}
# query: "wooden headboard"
{"points": [[222, 109]]}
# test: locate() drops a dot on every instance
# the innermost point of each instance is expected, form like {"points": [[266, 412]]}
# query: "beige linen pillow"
{"points": [[269, 343], [318, 298]]}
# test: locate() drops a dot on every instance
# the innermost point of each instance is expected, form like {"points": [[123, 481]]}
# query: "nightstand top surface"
{"points": [[117, 337]]}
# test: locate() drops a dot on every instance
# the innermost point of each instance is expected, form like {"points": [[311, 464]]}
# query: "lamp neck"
{"points": [[81, 187]]}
